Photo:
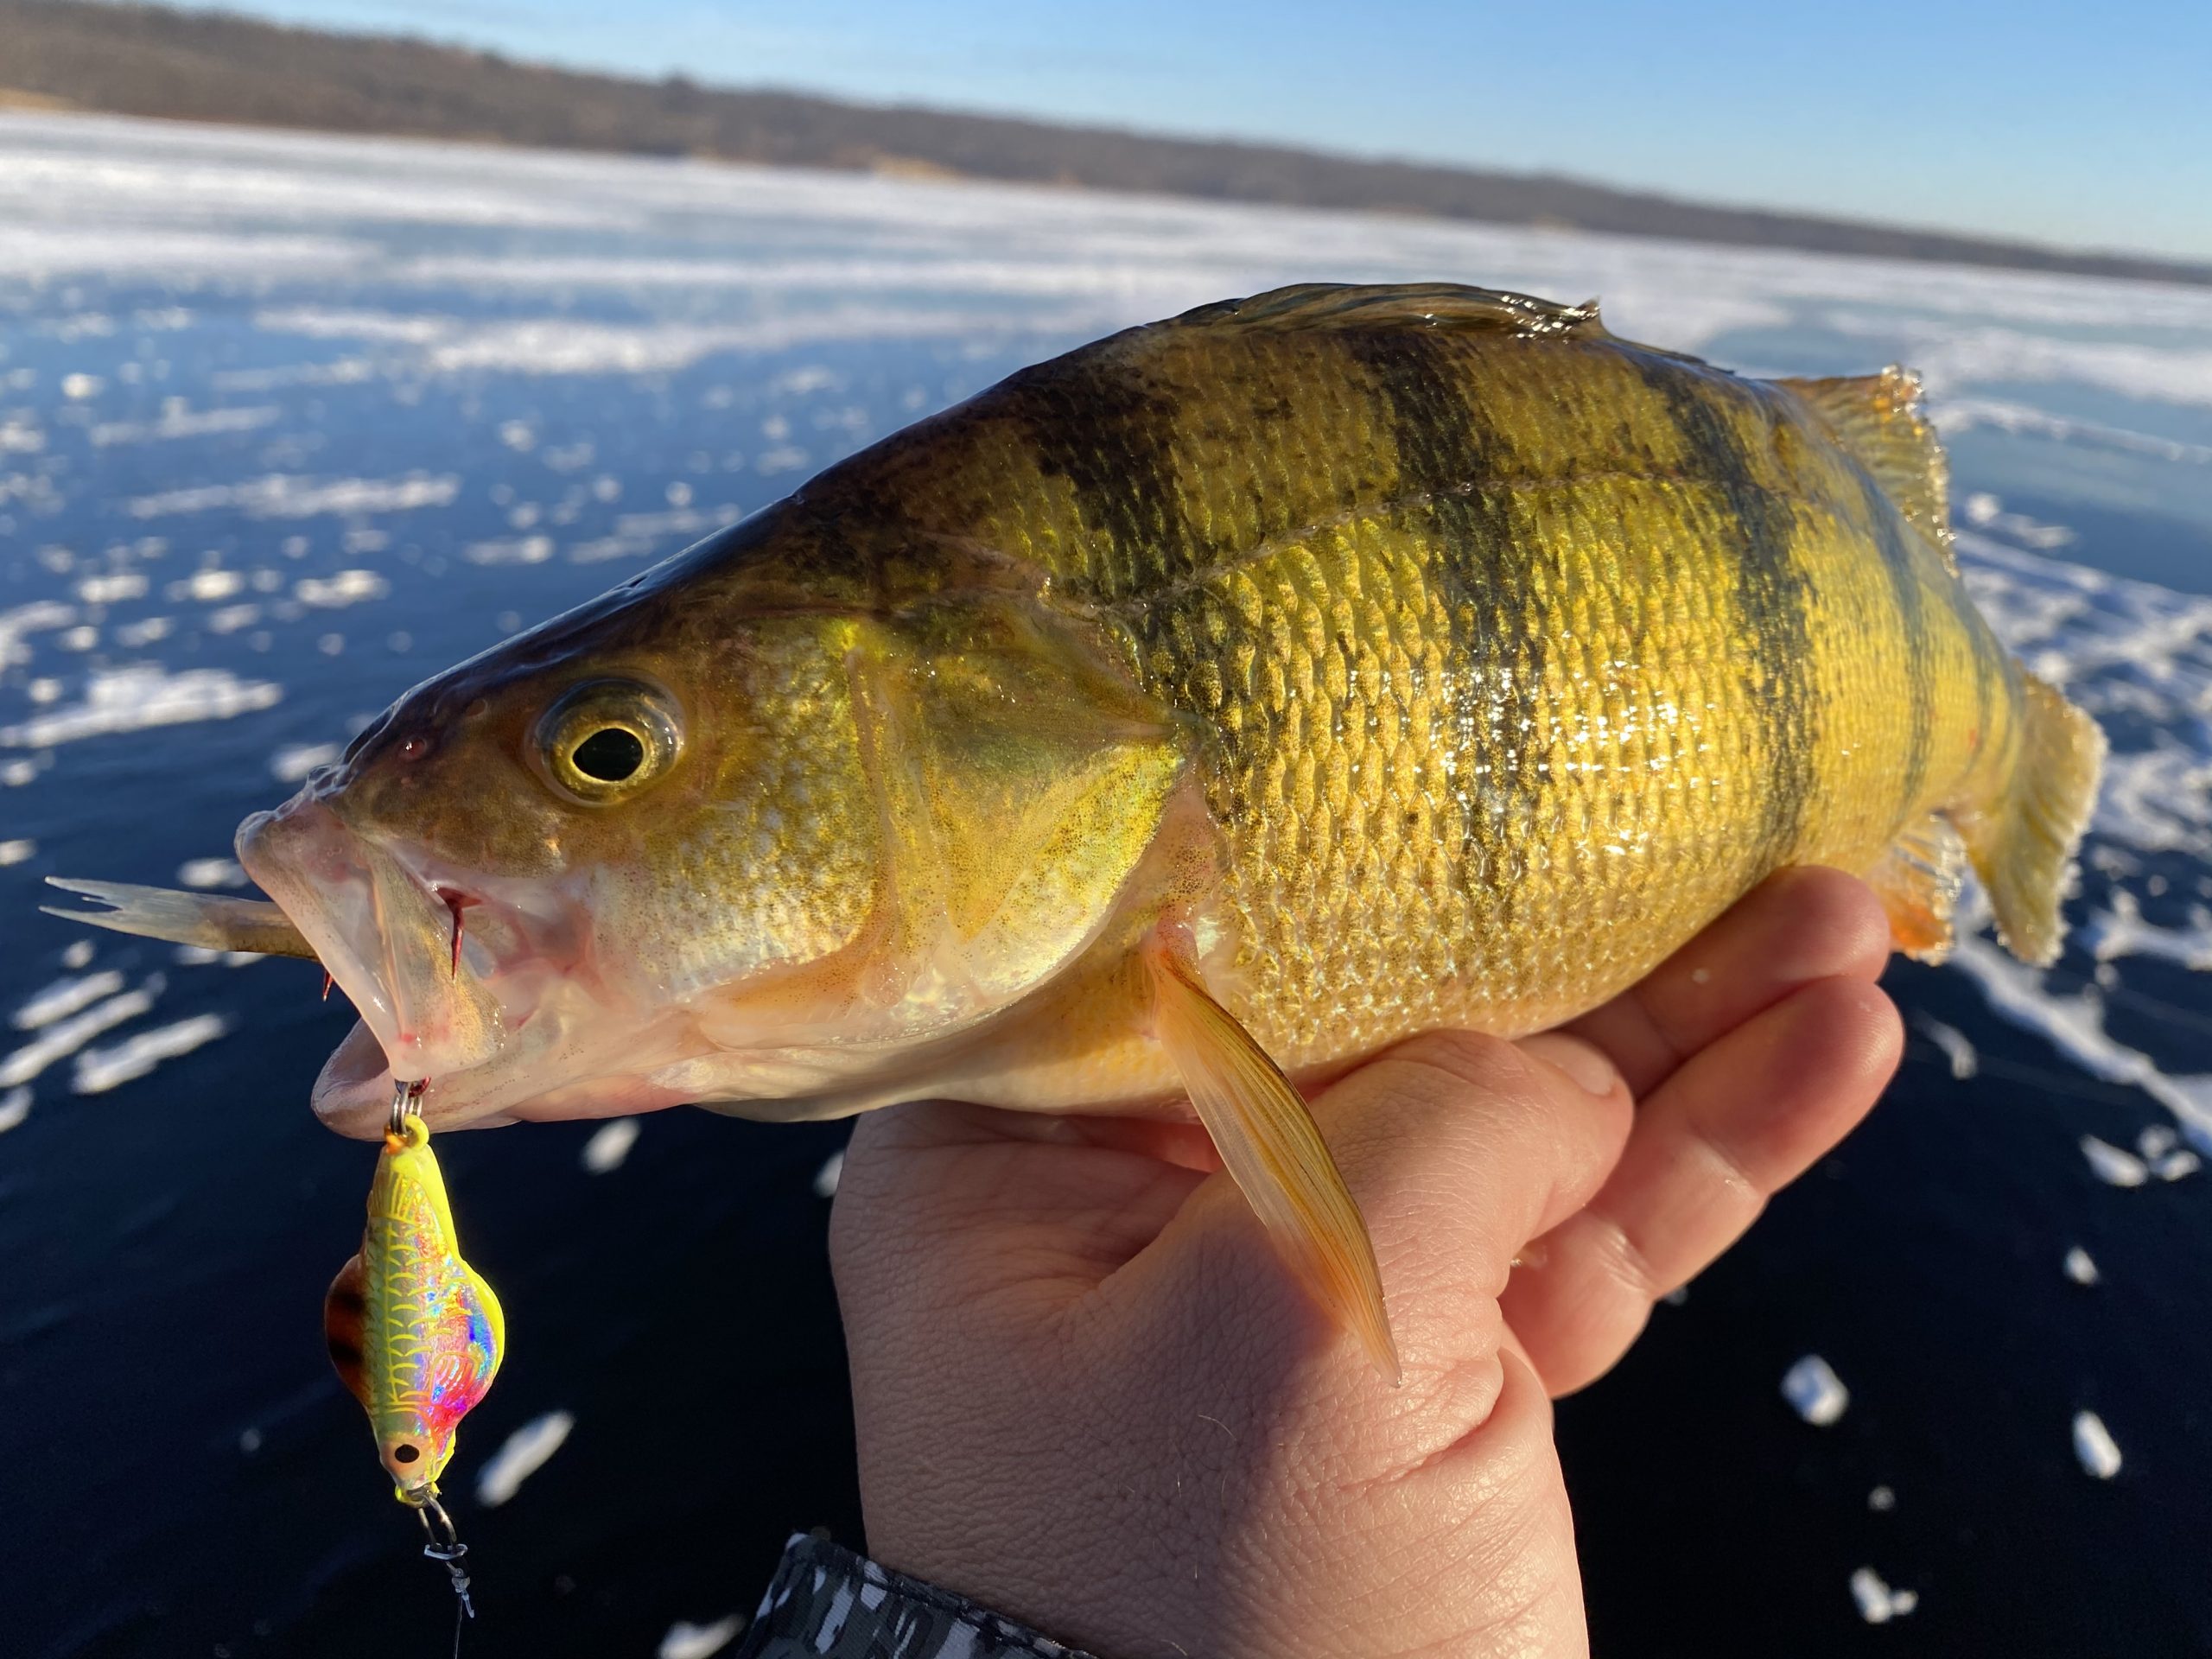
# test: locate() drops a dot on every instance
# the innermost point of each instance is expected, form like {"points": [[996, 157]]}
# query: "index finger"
{"points": [[1799, 926]]}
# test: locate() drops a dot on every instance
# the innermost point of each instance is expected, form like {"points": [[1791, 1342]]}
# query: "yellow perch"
{"points": [[1251, 689]]}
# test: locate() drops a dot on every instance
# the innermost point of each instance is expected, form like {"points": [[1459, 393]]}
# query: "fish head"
{"points": [[698, 845], [526, 871]]}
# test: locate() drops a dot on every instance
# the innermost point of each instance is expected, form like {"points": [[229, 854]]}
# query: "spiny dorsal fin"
{"points": [[1879, 418], [1447, 306]]}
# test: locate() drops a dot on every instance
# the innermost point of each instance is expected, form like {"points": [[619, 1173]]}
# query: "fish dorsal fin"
{"points": [[1879, 420], [1447, 308], [344, 1326]]}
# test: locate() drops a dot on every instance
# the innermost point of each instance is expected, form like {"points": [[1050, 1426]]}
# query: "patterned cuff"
{"points": [[827, 1603]]}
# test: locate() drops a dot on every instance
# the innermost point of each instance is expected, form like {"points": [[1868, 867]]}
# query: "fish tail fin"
{"points": [[2022, 844]]}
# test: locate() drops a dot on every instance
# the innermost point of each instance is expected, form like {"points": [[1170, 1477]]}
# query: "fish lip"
{"points": [[381, 926]]}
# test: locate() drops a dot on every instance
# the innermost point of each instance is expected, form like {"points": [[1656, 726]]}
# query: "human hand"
{"points": [[1089, 1394]]}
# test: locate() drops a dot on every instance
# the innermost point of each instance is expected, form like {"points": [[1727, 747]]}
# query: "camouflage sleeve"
{"points": [[827, 1603]]}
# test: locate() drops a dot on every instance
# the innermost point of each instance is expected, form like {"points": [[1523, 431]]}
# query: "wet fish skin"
{"points": [[1435, 655]]}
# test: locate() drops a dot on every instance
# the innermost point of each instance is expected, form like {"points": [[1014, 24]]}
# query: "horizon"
{"points": [[2055, 136]]}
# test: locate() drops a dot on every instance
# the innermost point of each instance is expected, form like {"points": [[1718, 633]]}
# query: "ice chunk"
{"points": [[1956, 1047], [1881, 1500], [2156, 1141], [2111, 1165], [64, 1037], [686, 1640], [142, 694], [346, 587], [1877, 1603], [211, 873], [2080, 1269], [15, 1107], [17, 852], [607, 1149], [2093, 1446], [2176, 1163], [525, 1454], [827, 1177], [64, 997], [292, 763], [99, 1069], [1813, 1388]]}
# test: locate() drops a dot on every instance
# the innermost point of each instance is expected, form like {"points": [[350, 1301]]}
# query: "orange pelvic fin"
{"points": [[1269, 1144]]}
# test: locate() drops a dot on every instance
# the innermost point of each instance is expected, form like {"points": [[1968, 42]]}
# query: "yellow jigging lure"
{"points": [[414, 1331]]}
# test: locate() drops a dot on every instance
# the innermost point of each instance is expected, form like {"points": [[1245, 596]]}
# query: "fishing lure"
{"points": [[415, 1332]]}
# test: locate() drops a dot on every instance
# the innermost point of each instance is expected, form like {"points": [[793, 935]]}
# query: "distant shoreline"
{"points": [[85, 56]]}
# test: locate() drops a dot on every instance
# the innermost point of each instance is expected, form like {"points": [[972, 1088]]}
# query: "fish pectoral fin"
{"points": [[200, 919], [1271, 1147], [1879, 419], [1917, 879], [344, 1326]]}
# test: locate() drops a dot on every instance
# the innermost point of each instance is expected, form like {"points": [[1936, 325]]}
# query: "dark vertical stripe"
{"points": [[1099, 421], [1893, 543], [1423, 391], [1716, 416]]}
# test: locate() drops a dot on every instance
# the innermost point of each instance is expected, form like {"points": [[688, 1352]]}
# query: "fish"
{"points": [[1170, 726], [415, 1333]]}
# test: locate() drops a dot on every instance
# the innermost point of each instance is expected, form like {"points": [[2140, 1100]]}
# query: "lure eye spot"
{"points": [[404, 1453]]}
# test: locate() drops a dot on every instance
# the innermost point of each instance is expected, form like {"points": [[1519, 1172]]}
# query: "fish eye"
{"points": [[606, 740]]}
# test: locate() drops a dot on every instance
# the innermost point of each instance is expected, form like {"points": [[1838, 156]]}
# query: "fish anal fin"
{"points": [[1879, 419], [1269, 1144], [344, 1327], [1917, 879]]}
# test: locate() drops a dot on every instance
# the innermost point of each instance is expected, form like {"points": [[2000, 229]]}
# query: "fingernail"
{"points": [[1585, 1064]]}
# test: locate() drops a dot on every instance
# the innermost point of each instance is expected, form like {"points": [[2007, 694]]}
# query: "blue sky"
{"points": [[2082, 124]]}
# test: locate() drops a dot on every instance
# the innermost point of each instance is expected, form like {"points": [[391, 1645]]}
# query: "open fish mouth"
{"points": [[449, 977]]}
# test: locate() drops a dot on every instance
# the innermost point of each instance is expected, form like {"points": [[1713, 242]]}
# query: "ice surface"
{"points": [[1813, 1389], [2093, 1446], [686, 1640], [523, 1455]]}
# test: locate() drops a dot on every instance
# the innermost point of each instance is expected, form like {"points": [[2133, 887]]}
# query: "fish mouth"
{"points": [[435, 966]]}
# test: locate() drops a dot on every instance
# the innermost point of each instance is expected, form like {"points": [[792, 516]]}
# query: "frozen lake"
{"points": [[288, 423]]}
